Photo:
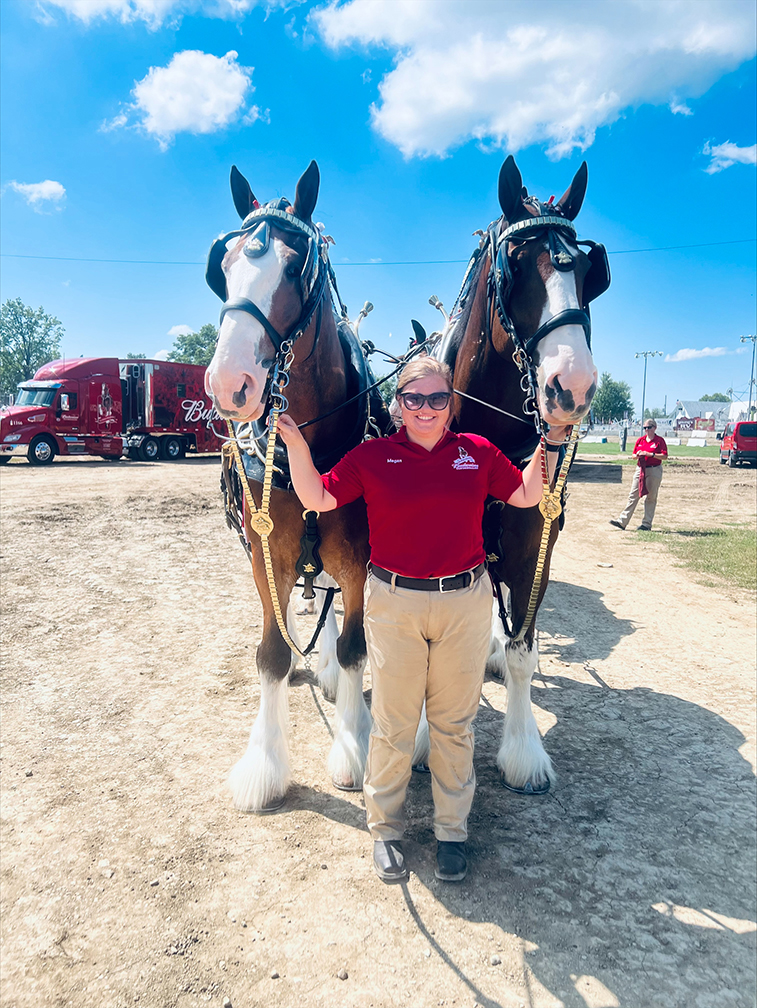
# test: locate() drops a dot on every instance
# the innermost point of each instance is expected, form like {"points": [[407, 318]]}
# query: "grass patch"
{"points": [[674, 451], [728, 553]]}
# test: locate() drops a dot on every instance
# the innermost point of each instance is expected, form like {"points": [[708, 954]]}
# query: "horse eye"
{"points": [[292, 271]]}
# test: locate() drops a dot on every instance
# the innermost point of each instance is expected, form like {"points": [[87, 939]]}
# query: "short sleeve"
{"points": [[504, 477], [344, 482], [663, 448]]}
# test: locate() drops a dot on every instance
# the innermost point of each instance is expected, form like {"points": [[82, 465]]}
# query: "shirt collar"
{"points": [[446, 437]]}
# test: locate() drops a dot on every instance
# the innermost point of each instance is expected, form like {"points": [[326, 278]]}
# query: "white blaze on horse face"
{"points": [[237, 374], [566, 375]]}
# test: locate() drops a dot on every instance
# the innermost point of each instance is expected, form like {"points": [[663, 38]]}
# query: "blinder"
{"points": [[597, 280]]}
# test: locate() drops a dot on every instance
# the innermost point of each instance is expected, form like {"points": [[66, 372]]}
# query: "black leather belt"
{"points": [[443, 584]]}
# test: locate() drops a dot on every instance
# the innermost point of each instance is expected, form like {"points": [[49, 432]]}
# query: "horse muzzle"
{"points": [[237, 398]]}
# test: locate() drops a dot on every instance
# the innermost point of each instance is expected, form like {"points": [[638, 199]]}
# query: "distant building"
{"points": [[720, 412]]}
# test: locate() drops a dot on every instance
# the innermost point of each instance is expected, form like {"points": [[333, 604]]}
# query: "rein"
{"points": [[260, 518]]}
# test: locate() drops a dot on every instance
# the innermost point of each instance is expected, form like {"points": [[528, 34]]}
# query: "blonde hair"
{"points": [[423, 367]]}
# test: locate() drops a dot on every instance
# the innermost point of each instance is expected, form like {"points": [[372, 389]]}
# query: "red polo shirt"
{"points": [[657, 446], [424, 507]]}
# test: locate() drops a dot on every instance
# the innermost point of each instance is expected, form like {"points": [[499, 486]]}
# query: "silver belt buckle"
{"points": [[443, 590]]}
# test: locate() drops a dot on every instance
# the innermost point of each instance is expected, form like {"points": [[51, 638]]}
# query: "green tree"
{"points": [[715, 397], [653, 414], [28, 339], [387, 390], [196, 347], [612, 400], [136, 356]]}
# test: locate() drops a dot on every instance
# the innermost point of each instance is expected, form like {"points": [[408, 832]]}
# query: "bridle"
{"points": [[315, 276], [499, 237]]}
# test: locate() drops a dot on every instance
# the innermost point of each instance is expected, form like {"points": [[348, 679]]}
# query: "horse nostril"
{"points": [[238, 398]]}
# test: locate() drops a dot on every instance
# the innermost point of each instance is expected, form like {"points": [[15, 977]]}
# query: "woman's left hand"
{"points": [[557, 435]]}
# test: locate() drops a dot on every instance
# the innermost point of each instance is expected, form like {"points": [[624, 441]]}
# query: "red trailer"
{"points": [[108, 407]]}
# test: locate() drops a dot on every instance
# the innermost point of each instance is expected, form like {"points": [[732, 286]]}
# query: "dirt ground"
{"points": [[129, 688]]}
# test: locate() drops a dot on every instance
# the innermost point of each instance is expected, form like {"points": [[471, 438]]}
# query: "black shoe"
{"points": [[617, 524], [389, 861], [451, 865], [644, 528]]}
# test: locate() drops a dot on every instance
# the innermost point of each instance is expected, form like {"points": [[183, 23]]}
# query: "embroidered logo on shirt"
{"points": [[465, 461], [394, 460]]}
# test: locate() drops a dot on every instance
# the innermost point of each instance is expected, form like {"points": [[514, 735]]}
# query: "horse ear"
{"points": [[571, 200], [510, 188], [420, 332], [243, 196], [307, 192]]}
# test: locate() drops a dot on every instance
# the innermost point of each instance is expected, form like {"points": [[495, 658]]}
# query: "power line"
{"points": [[410, 262]]}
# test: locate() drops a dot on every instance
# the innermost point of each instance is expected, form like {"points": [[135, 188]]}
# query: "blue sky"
{"points": [[121, 119]]}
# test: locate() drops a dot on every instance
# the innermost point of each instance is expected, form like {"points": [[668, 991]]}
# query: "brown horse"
{"points": [[274, 277], [519, 339]]}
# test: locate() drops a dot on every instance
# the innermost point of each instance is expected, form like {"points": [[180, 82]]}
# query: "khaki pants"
{"points": [[652, 478], [428, 646]]}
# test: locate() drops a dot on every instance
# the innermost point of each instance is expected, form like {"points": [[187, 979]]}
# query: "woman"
{"points": [[650, 451], [428, 605]]}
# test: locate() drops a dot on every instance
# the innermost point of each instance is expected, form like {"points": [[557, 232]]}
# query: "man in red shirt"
{"points": [[428, 601], [650, 450]]}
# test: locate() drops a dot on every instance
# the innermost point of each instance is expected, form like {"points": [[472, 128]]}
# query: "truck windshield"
{"points": [[35, 397]]}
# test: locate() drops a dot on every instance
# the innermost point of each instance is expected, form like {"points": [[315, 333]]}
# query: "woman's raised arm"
{"points": [[305, 477]]}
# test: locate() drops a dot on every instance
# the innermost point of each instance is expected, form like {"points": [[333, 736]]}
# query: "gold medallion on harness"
{"points": [[308, 568], [261, 523], [550, 505]]}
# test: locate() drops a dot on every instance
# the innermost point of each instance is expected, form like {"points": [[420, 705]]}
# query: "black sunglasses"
{"points": [[414, 400], [650, 427]]}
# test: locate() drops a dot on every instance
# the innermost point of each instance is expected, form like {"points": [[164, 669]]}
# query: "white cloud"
{"points": [[196, 93], [41, 196], [180, 330], [687, 354], [726, 154], [517, 73], [680, 108], [161, 355], [153, 12]]}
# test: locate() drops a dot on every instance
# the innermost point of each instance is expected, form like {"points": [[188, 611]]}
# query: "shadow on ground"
{"points": [[642, 856]]}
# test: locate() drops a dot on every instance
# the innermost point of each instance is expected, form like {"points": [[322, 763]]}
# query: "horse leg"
{"points": [[259, 781], [353, 721], [496, 663], [522, 761], [422, 743], [327, 670]]}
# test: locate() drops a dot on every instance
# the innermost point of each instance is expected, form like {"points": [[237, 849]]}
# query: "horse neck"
{"points": [[318, 377], [488, 375]]}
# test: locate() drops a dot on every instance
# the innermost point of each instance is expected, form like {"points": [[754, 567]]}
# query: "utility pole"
{"points": [[746, 339], [646, 354]]}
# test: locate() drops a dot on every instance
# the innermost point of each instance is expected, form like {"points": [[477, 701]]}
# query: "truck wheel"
{"points": [[722, 460], [172, 448], [149, 450], [5, 459], [41, 450], [732, 460]]}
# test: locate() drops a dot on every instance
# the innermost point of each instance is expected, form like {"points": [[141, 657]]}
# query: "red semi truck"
{"points": [[108, 407]]}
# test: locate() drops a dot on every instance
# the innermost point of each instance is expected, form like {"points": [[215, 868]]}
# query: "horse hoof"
{"points": [[346, 785], [528, 788], [421, 768], [273, 805]]}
